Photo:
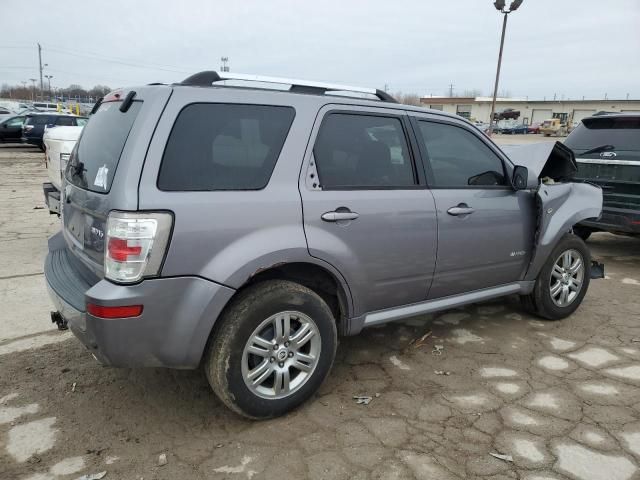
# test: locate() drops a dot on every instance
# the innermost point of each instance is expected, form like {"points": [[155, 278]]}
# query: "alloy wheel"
{"points": [[281, 355], [566, 278]]}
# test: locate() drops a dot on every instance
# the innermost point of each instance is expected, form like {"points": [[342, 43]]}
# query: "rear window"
{"points": [[224, 147], [98, 151], [38, 120], [621, 132]]}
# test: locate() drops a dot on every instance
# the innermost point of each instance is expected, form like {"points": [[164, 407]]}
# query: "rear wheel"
{"points": [[563, 281], [273, 348]]}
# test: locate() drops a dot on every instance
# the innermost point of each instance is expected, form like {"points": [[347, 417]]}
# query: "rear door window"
{"points": [[363, 152], [65, 121], [216, 146], [98, 150]]}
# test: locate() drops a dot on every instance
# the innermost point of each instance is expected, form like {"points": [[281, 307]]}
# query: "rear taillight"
{"points": [[135, 244], [64, 160]]}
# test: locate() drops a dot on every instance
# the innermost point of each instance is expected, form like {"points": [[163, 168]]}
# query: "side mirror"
{"points": [[520, 177]]}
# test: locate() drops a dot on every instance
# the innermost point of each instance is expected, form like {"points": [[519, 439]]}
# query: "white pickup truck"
{"points": [[58, 142]]}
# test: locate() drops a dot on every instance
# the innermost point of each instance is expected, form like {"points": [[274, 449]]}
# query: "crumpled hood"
{"points": [[544, 159]]}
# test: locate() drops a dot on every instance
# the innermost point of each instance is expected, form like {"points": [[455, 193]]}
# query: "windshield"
{"points": [[623, 133], [97, 153]]}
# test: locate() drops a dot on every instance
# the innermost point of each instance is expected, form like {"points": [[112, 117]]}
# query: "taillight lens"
{"points": [[135, 244], [64, 160]]}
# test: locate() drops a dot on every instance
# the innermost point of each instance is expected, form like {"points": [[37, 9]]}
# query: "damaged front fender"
{"points": [[560, 207], [561, 202]]}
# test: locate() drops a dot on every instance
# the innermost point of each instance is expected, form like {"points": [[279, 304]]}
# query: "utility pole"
{"points": [[451, 85], [500, 6], [224, 67], [40, 65]]}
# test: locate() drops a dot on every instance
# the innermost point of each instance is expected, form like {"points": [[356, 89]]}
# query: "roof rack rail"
{"points": [[209, 77]]}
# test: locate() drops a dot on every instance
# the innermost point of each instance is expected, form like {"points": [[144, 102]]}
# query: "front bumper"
{"points": [[616, 220], [172, 330], [51, 197]]}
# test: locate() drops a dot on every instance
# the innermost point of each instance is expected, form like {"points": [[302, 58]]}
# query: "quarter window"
{"points": [[363, 151], [458, 158], [224, 147]]}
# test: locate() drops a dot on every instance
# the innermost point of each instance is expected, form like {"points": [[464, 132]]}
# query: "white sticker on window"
{"points": [[101, 177]]}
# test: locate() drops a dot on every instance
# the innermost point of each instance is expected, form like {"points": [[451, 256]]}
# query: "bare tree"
{"points": [[408, 98], [474, 92]]}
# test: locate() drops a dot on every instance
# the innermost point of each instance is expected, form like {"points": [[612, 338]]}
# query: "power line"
{"points": [[129, 63]]}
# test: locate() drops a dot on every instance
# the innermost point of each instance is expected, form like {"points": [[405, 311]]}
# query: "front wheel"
{"points": [[563, 281], [273, 348]]}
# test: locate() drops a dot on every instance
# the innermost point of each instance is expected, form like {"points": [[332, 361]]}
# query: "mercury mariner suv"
{"points": [[242, 223]]}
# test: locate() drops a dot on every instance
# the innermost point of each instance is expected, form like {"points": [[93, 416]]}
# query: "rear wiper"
{"points": [[601, 148]]}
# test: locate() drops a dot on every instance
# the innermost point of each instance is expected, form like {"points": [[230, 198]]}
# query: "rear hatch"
{"points": [[104, 170], [607, 150]]}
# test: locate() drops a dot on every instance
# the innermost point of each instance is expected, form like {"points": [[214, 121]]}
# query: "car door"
{"points": [[485, 227], [366, 207], [11, 129]]}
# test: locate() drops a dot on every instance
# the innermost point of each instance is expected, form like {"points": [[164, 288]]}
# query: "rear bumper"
{"points": [[172, 330], [616, 220], [51, 197]]}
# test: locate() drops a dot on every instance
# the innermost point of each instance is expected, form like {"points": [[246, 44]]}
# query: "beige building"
{"points": [[531, 111]]}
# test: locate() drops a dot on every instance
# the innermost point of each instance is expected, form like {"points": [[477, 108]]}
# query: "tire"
{"points": [[255, 311], [541, 302], [582, 232]]}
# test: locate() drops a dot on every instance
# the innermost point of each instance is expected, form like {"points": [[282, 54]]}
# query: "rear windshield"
{"points": [[224, 147], [38, 120], [98, 151], [623, 133]]}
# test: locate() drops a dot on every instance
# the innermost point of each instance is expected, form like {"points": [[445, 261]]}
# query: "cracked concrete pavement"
{"points": [[559, 399]]}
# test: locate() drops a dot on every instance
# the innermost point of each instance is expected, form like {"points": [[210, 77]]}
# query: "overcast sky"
{"points": [[573, 48]]}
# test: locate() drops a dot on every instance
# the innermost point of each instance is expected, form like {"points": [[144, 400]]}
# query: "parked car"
{"points": [[553, 126], [607, 148], [534, 128], [507, 114], [35, 124], [45, 107], [243, 229], [59, 143], [514, 129], [11, 128]]}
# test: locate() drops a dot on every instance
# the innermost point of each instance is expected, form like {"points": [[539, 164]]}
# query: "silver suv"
{"points": [[243, 227]]}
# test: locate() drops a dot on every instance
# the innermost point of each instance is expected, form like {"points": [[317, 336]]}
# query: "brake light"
{"points": [[135, 244], [126, 311], [120, 250]]}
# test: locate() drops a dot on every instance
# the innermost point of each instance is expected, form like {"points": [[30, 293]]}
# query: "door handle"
{"points": [[339, 215], [460, 209]]}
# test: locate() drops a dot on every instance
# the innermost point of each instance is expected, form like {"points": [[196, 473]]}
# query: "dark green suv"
{"points": [[607, 149]]}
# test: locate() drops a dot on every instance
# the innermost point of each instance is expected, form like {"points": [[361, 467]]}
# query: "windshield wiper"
{"points": [[601, 148]]}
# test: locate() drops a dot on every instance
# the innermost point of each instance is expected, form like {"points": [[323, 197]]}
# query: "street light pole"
{"points": [[500, 4]]}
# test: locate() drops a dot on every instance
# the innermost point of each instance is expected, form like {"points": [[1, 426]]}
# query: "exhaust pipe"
{"points": [[59, 321]]}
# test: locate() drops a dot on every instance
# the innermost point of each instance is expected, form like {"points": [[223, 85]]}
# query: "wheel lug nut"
{"points": [[281, 364], [290, 354], [272, 359], [275, 347], [286, 344]]}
